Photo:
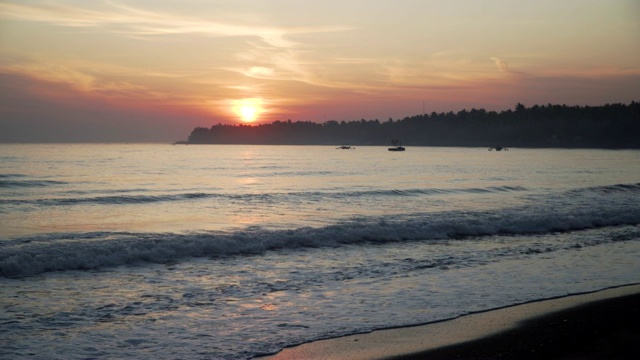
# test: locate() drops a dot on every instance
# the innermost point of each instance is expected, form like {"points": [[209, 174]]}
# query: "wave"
{"points": [[429, 191], [23, 180], [28, 183], [297, 173], [83, 251], [109, 199], [607, 189], [123, 196]]}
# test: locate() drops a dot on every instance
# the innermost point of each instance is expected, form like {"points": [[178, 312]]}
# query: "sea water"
{"points": [[153, 251]]}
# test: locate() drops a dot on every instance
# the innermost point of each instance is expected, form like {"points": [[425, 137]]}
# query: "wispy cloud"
{"points": [[501, 64], [131, 21], [261, 72], [85, 79]]}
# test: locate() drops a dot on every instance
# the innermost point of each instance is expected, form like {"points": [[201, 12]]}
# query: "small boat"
{"points": [[498, 148], [345, 147], [397, 146]]}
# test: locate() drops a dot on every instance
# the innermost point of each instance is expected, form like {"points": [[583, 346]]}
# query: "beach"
{"points": [[599, 325]]}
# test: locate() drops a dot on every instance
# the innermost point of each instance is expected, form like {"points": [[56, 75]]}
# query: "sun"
{"points": [[248, 113], [248, 110]]}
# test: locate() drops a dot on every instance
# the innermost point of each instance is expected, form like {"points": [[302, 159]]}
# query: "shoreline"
{"points": [[372, 145], [603, 324]]}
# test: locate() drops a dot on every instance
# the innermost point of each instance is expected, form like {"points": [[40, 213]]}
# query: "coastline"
{"points": [[599, 325]]}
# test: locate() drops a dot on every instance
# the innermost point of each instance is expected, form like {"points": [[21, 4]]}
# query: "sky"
{"points": [[152, 70]]}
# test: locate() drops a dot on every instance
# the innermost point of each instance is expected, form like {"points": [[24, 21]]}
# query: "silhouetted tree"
{"points": [[607, 126]]}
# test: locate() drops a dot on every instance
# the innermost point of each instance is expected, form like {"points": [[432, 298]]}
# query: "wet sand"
{"points": [[599, 325]]}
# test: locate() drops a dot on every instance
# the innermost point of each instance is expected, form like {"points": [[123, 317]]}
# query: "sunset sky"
{"points": [[152, 70]]}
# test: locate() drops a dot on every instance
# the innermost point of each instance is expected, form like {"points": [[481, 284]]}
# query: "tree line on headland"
{"points": [[607, 126]]}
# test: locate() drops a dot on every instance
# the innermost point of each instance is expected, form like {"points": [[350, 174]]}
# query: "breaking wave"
{"points": [[16, 183], [124, 196], [84, 251]]}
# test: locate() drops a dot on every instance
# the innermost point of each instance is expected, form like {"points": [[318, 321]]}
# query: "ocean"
{"points": [[154, 251]]}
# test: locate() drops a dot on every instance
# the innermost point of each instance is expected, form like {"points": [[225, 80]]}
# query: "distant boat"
{"points": [[397, 146], [498, 148], [345, 147]]}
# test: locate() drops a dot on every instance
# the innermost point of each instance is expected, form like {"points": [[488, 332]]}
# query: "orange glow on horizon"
{"points": [[248, 110], [248, 113]]}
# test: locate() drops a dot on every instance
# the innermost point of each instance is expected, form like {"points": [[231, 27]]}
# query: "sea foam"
{"points": [[82, 251]]}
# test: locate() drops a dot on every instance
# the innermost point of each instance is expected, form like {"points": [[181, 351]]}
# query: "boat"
{"points": [[346, 147], [498, 148], [397, 145]]}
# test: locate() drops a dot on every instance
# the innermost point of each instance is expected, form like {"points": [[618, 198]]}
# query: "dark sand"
{"points": [[600, 325]]}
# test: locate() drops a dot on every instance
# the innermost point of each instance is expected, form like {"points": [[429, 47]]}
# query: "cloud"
{"points": [[261, 72], [86, 79], [37, 111], [501, 64], [130, 21]]}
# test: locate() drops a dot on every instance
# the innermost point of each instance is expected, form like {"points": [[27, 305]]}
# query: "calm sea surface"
{"points": [[229, 252]]}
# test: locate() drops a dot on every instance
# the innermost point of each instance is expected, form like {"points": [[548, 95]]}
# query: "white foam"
{"points": [[58, 252]]}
